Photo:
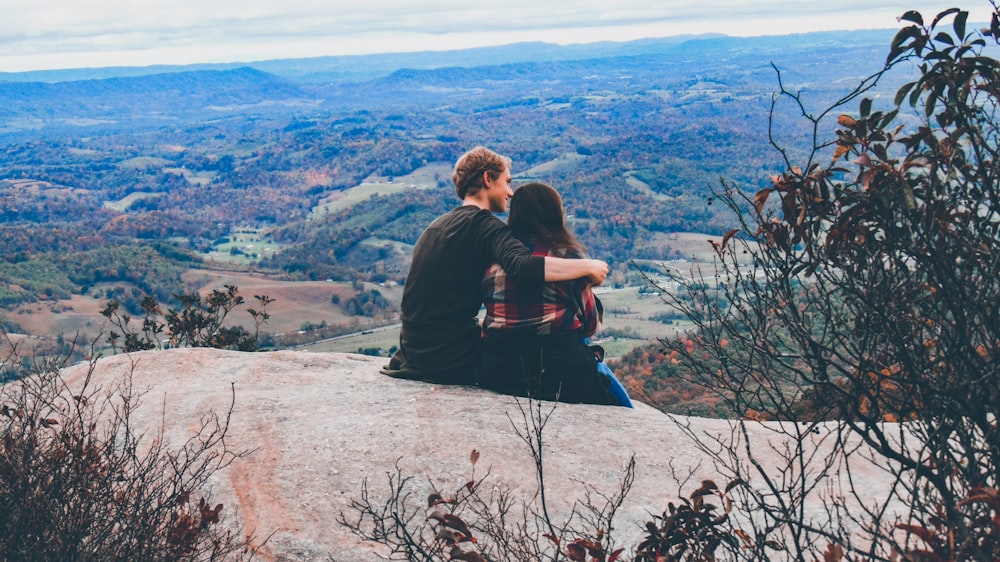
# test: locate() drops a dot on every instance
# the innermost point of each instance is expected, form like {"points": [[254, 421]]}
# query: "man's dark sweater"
{"points": [[440, 338]]}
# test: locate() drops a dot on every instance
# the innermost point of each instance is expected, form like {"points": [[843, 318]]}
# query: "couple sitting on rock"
{"points": [[536, 284]]}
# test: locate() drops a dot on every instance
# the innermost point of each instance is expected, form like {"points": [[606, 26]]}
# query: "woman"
{"points": [[534, 336]]}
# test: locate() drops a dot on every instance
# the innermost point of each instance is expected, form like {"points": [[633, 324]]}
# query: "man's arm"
{"points": [[515, 258], [562, 269]]}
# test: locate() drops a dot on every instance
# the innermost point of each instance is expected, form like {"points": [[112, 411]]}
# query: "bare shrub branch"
{"points": [[78, 481]]}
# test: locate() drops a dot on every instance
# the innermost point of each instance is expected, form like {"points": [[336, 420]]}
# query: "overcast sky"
{"points": [[46, 34]]}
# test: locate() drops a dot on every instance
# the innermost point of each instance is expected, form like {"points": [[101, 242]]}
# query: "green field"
{"points": [[243, 246], [382, 339], [125, 202], [348, 198], [425, 177]]}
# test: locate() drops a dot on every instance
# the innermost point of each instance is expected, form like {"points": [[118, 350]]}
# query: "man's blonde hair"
{"points": [[468, 174]]}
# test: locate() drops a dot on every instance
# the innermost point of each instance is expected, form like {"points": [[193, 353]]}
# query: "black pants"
{"points": [[555, 367], [441, 355]]}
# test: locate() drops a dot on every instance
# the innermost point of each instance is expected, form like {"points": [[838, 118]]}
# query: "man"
{"points": [[440, 338]]}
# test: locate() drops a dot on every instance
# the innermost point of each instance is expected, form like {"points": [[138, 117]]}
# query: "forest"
{"points": [[114, 186], [170, 164]]}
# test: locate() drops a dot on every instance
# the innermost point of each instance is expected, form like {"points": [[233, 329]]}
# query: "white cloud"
{"points": [[72, 33]]}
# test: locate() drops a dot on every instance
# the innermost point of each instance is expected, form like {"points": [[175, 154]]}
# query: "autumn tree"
{"points": [[867, 319]]}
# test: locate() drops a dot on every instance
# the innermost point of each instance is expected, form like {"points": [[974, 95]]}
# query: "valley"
{"points": [[313, 190]]}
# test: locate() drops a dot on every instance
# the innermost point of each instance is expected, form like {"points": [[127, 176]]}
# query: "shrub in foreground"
{"points": [[79, 482]]}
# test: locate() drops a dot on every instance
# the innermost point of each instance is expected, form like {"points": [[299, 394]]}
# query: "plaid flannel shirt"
{"points": [[551, 308]]}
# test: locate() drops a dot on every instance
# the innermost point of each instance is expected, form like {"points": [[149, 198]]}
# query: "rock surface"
{"points": [[322, 423]]}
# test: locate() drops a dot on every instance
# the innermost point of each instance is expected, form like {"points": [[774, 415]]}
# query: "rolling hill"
{"points": [[164, 169]]}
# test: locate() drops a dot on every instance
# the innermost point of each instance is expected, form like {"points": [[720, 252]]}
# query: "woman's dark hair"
{"points": [[536, 213]]}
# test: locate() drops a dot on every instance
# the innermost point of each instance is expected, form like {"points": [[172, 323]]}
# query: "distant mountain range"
{"points": [[137, 97], [366, 67]]}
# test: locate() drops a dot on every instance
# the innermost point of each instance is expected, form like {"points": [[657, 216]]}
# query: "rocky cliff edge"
{"points": [[320, 424]]}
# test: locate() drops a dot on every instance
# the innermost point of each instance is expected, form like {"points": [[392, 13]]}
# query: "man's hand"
{"points": [[563, 269], [598, 271]]}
